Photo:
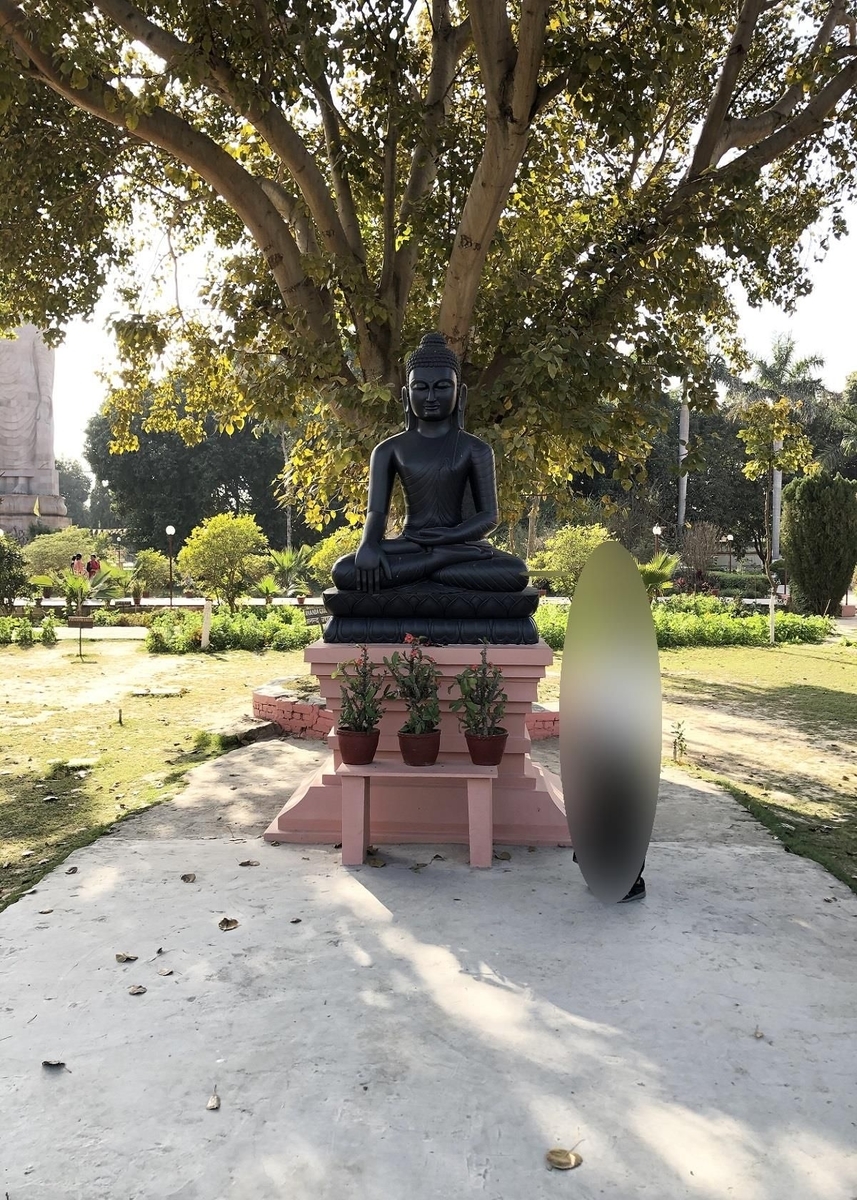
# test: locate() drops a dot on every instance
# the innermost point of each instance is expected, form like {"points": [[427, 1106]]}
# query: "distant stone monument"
{"points": [[29, 482]]}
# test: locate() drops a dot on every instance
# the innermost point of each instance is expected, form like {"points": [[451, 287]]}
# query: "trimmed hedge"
{"points": [[278, 628], [702, 621]]}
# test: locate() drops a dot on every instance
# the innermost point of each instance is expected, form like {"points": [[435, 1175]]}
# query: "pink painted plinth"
{"points": [[528, 807]]}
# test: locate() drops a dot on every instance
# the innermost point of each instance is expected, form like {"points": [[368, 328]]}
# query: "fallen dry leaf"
{"points": [[295, 921], [374, 861], [53, 1063], [213, 1101], [137, 990], [370, 850], [504, 855], [248, 862], [417, 866], [563, 1160], [189, 878], [159, 950], [50, 799], [757, 1033], [126, 957], [227, 923], [438, 857], [165, 971], [43, 912], [71, 871]]}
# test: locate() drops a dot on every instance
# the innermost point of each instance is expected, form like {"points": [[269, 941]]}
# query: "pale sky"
{"points": [[823, 323]]}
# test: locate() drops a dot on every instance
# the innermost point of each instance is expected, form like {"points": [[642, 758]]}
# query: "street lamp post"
{"points": [[104, 484], [118, 550], [730, 539], [657, 531], [170, 531]]}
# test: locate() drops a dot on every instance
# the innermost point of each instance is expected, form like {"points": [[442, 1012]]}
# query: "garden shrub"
{"points": [[702, 621], [25, 633], [7, 628], [251, 629], [326, 552], [49, 631], [551, 620], [753, 585], [565, 555]]}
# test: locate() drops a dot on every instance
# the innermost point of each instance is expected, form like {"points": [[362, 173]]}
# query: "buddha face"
{"points": [[432, 393]]}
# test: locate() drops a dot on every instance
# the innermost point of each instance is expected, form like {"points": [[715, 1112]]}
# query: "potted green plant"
{"points": [[480, 707], [361, 708], [415, 680]]}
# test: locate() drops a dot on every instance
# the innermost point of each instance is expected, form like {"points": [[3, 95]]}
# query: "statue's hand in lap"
{"points": [[371, 565]]}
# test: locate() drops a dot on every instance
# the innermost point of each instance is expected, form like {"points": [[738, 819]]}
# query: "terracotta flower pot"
{"points": [[486, 750], [420, 749], [357, 747]]}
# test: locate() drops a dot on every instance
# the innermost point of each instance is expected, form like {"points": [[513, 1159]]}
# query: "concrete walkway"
{"points": [[425, 1033]]}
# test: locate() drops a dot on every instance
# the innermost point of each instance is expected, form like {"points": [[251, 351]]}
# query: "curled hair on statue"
{"points": [[433, 351]]}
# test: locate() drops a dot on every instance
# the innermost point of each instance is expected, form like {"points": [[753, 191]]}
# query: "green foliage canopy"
{"points": [[75, 486], [566, 190], [220, 555], [565, 553], [51, 553], [820, 540], [13, 573], [168, 482]]}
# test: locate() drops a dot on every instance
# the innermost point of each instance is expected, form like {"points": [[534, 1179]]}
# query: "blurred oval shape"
{"points": [[610, 722]]}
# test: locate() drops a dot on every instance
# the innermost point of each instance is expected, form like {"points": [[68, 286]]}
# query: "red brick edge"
{"points": [[310, 719]]}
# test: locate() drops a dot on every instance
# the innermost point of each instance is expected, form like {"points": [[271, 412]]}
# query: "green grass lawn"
{"points": [[69, 770], [775, 726]]}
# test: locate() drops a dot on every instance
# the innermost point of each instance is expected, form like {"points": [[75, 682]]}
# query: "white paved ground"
{"points": [[425, 1034]]}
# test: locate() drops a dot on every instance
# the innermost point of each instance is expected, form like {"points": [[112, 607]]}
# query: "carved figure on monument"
{"points": [[439, 579], [29, 483]]}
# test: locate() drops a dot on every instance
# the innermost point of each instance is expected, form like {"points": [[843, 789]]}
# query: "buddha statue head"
{"points": [[434, 390]]}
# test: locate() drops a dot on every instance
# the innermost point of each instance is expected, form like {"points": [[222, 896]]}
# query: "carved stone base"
{"points": [[16, 514], [528, 806], [444, 615], [438, 631]]}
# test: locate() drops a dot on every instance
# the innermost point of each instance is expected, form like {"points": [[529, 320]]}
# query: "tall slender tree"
{"points": [[783, 376]]}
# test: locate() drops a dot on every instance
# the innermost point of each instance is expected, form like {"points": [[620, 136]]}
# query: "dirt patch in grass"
{"points": [[69, 770], [777, 728]]}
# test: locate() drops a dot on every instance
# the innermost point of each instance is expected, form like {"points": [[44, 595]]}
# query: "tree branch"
{"points": [[723, 92], [261, 112], [347, 209], [810, 120], [495, 49], [293, 213], [449, 43], [168, 132], [532, 29], [739, 132]]}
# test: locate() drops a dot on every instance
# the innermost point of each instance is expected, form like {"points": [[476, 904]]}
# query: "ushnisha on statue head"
{"points": [[434, 391]]}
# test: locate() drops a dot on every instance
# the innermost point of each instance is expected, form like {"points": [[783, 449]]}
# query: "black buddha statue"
{"points": [[438, 579]]}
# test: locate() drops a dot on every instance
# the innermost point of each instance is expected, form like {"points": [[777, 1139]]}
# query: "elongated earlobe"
{"points": [[406, 405], [462, 405]]}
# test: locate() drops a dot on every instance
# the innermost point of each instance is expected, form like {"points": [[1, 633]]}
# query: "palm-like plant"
{"points": [[268, 588], [658, 572], [292, 569]]}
